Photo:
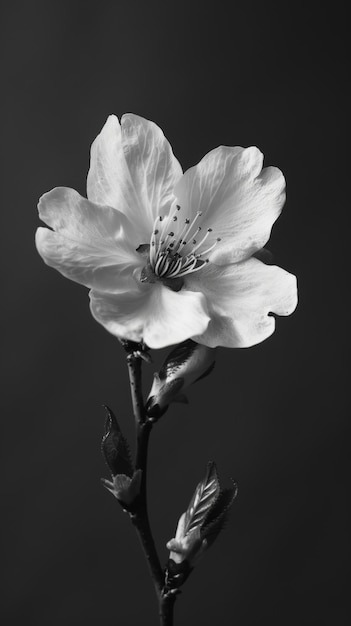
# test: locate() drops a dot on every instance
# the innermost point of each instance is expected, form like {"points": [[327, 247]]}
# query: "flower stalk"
{"points": [[134, 370], [139, 514]]}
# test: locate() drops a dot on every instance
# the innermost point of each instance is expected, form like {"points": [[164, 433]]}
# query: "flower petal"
{"points": [[240, 298], [91, 244], [134, 170], [83, 263], [238, 201], [158, 316]]}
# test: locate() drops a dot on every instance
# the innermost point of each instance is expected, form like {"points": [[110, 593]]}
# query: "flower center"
{"points": [[174, 255]]}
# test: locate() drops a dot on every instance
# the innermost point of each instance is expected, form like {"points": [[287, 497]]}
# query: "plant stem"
{"points": [[166, 604], [134, 370], [139, 516]]}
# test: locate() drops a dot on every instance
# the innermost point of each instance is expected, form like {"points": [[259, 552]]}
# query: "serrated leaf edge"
{"points": [[204, 497], [121, 446]]}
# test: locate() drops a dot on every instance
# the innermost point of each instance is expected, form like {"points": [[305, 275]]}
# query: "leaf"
{"points": [[177, 357], [165, 393], [206, 372], [218, 514], [115, 448], [204, 497]]}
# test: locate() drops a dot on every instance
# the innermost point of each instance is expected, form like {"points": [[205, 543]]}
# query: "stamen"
{"points": [[166, 260], [198, 214], [180, 235], [209, 230], [210, 248], [191, 269], [161, 266], [176, 268], [169, 218], [153, 240]]}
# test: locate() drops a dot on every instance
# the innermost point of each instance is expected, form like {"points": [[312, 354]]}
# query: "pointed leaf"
{"points": [[177, 357], [166, 393], [115, 447], [203, 499], [218, 514]]}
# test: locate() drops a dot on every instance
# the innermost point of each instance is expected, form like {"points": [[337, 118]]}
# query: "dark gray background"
{"points": [[273, 417]]}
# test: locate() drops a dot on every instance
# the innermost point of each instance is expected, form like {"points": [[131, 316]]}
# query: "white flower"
{"points": [[167, 255]]}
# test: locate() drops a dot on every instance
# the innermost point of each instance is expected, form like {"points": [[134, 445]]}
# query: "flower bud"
{"points": [[186, 363]]}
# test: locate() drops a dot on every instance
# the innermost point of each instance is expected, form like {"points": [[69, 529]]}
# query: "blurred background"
{"points": [[273, 417]]}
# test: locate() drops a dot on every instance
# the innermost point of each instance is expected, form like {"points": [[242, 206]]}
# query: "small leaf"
{"points": [[115, 448], [218, 514], [124, 488], [164, 393], [203, 499], [177, 357]]}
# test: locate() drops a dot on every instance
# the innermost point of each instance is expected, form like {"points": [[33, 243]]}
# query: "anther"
{"points": [[168, 255]]}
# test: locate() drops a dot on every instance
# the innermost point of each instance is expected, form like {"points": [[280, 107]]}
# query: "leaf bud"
{"points": [[115, 448], [125, 482], [186, 363], [199, 526], [124, 488]]}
